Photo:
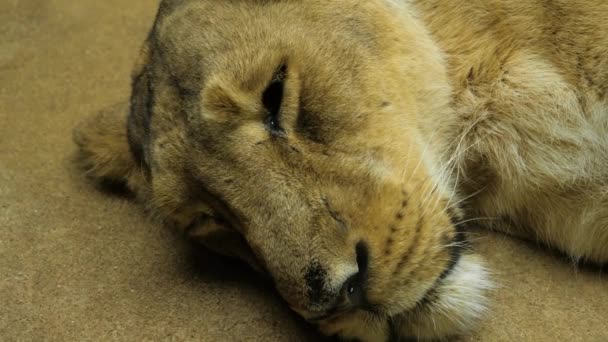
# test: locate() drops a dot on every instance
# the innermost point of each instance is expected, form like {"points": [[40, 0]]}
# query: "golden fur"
{"points": [[342, 146]]}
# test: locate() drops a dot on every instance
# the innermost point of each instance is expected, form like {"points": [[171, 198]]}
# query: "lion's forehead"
{"points": [[200, 33]]}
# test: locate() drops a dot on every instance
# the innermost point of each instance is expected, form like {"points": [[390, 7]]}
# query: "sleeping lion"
{"points": [[342, 147]]}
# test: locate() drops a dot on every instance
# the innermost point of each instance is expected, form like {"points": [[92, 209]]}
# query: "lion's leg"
{"points": [[576, 224], [580, 229]]}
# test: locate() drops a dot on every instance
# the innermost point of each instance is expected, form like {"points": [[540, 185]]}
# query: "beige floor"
{"points": [[78, 265]]}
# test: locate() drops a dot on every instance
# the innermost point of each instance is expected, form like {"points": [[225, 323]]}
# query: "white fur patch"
{"points": [[461, 302]]}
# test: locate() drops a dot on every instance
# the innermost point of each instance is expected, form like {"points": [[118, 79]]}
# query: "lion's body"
{"points": [[530, 116], [340, 146]]}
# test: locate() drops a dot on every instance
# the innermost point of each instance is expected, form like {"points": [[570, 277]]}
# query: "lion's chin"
{"points": [[452, 308]]}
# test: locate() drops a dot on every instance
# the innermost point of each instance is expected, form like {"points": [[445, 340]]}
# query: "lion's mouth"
{"points": [[330, 315], [370, 309]]}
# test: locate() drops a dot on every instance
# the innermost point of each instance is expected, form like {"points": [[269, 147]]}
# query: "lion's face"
{"points": [[294, 125]]}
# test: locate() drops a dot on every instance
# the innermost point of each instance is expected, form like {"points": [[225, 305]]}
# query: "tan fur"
{"points": [[530, 90], [342, 146]]}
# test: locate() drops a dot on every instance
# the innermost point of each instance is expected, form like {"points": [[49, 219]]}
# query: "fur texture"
{"points": [[342, 147]]}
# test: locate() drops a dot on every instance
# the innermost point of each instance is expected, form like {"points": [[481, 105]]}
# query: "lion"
{"points": [[343, 147]]}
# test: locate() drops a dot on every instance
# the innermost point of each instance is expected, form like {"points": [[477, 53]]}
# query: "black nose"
{"points": [[354, 288], [353, 292]]}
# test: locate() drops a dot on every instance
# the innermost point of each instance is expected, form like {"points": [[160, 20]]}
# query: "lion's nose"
{"points": [[351, 294], [354, 288]]}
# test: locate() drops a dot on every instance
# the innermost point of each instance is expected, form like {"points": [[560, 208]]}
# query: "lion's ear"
{"points": [[220, 239], [103, 151], [141, 108], [112, 144]]}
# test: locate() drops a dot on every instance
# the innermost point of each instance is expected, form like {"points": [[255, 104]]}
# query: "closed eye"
{"points": [[196, 222], [273, 99]]}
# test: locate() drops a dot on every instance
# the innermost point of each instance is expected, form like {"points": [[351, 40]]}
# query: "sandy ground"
{"points": [[79, 265]]}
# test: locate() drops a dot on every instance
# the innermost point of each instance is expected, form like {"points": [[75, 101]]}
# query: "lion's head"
{"points": [[287, 133]]}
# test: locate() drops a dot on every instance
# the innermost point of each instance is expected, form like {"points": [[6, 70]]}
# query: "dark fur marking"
{"points": [[307, 125], [459, 243], [470, 76], [315, 280], [410, 250], [295, 149], [399, 215], [390, 241], [138, 121], [167, 6], [183, 92]]}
